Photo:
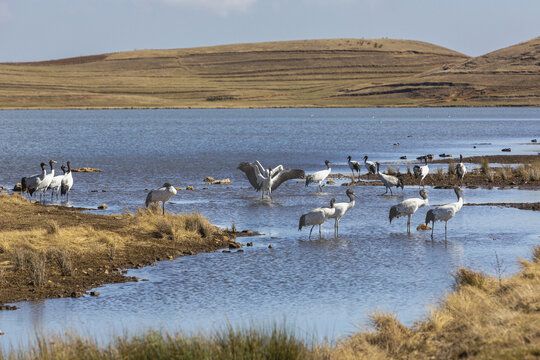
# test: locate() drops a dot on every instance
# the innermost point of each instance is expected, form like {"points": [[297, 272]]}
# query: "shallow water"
{"points": [[326, 287]]}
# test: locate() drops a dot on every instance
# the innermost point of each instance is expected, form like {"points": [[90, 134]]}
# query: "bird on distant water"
{"points": [[316, 217], [370, 166], [319, 176], [67, 182], [30, 183], [354, 166], [270, 179], [421, 171], [445, 212], [162, 194], [408, 207], [461, 170], [389, 181], [341, 209]]}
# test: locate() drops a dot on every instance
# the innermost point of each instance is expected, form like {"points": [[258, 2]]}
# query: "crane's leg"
{"points": [[409, 224], [391, 192], [445, 227], [432, 228], [320, 233], [309, 238], [163, 202], [352, 176]]}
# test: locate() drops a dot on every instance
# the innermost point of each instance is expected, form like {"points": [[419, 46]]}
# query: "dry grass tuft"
{"points": [[451, 168], [465, 276], [181, 228], [390, 170], [484, 167], [63, 258]]}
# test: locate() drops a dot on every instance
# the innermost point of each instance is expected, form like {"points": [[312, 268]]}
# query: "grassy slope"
{"points": [[293, 73], [509, 76]]}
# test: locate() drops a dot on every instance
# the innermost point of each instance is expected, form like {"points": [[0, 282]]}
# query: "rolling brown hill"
{"points": [[506, 77], [337, 72]]}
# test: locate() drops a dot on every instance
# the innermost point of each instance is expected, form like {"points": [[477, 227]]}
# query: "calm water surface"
{"points": [[323, 287]]}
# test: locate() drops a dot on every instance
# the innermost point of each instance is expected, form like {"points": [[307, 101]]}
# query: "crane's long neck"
{"points": [[69, 168]]}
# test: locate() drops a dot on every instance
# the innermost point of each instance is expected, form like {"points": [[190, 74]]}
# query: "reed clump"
{"points": [[451, 168], [181, 228]]}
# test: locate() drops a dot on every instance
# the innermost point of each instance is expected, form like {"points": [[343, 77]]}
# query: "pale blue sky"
{"points": [[33, 30]]}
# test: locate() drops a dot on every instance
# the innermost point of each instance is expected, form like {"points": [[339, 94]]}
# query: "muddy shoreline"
{"points": [[89, 269]]}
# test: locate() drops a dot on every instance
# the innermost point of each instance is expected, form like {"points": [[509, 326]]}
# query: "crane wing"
{"points": [[253, 174], [285, 175]]}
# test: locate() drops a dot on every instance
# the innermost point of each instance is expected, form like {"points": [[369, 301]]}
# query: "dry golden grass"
{"points": [[273, 74], [484, 318], [45, 245]]}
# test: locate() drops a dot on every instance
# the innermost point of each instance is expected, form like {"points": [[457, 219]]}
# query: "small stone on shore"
{"points": [[102, 206], [94, 293], [222, 182], [423, 227], [209, 179], [189, 187], [270, 246]]}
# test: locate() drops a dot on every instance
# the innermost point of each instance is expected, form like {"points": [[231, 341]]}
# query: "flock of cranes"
{"points": [[267, 180], [40, 183]]}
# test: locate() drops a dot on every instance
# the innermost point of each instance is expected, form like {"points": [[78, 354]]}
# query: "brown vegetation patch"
{"points": [[54, 251]]}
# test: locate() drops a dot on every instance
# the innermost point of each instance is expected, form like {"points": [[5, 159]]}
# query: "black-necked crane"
{"points": [[370, 166], [56, 183], [44, 184], [31, 183], [341, 209], [163, 194], [389, 181], [316, 217], [270, 179], [354, 166], [445, 212], [421, 171], [67, 182], [319, 176], [461, 170], [408, 207]]}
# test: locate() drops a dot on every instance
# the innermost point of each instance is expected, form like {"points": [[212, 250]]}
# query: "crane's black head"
{"points": [[63, 167], [42, 165], [332, 202], [458, 191], [68, 163], [349, 158], [423, 194], [51, 162], [167, 185], [327, 162], [365, 158]]}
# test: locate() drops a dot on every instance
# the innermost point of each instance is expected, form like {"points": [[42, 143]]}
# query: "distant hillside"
{"points": [[337, 72], [510, 76]]}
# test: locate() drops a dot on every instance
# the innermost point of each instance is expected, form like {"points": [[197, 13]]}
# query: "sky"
{"points": [[33, 30]]}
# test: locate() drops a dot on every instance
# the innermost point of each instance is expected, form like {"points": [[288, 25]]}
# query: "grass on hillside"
{"points": [[484, 317]]}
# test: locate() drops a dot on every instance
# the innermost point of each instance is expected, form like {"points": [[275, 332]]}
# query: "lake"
{"points": [[324, 288]]}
